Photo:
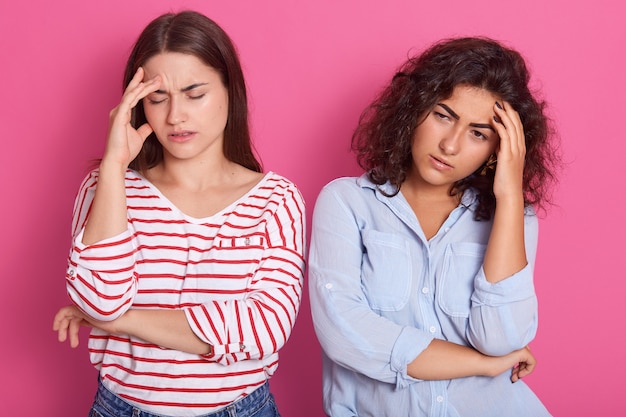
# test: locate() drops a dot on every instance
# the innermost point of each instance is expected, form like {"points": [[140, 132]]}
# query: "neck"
{"points": [[196, 174], [425, 192]]}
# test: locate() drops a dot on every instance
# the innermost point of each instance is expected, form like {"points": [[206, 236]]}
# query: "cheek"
{"points": [[150, 112]]}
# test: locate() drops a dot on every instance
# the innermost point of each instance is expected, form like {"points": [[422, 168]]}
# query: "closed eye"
{"points": [[197, 97], [441, 115], [153, 101], [478, 134]]}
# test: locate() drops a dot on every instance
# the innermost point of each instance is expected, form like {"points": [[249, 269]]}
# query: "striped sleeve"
{"points": [[258, 325], [100, 278]]}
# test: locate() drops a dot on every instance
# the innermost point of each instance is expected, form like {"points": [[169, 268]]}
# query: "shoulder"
{"points": [[277, 181], [350, 186], [129, 176], [277, 185], [134, 183], [274, 190], [354, 196], [348, 189]]}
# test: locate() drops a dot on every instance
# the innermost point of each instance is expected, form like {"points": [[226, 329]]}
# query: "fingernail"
{"points": [[497, 119], [498, 105]]}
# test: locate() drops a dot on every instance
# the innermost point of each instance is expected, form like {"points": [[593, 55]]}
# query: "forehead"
{"points": [[472, 104], [176, 68]]}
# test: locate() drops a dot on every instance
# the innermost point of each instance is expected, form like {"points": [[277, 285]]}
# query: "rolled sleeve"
{"points": [[257, 325], [409, 345], [351, 332], [100, 277], [503, 316]]}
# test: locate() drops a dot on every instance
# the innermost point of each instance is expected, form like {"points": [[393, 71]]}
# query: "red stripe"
{"points": [[281, 305], [211, 247], [221, 314], [95, 291], [96, 309]]}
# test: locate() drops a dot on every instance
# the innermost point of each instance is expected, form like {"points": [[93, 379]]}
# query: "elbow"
{"points": [[498, 331], [503, 341], [100, 297], [101, 309]]}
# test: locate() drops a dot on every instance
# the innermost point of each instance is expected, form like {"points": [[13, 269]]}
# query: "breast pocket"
{"points": [[461, 263], [386, 270], [225, 271]]}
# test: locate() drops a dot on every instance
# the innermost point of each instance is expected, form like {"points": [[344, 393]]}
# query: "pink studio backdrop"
{"points": [[311, 68]]}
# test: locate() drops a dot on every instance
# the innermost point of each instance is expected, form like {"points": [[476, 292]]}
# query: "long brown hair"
{"points": [[192, 33], [383, 138]]}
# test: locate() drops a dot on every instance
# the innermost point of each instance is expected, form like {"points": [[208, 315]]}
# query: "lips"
{"points": [[440, 163], [181, 136]]}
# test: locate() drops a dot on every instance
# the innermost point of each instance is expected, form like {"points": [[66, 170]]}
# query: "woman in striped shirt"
{"points": [[187, 261]]}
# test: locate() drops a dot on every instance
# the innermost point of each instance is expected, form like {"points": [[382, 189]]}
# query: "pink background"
{"points": [[311, 68]]}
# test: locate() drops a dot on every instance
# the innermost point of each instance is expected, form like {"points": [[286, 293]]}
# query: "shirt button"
{"points": [[71, 273], [328, 286], [439, 399], [425, 290], [247, 241], [447, 229], [433, 329]]}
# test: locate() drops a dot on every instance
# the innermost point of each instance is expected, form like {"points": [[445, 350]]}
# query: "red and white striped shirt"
{"points": [[238, 276]]}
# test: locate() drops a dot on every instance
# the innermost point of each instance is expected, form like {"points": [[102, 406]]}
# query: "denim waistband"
{"points": [[243, 407]]}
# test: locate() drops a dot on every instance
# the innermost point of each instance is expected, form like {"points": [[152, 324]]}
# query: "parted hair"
{"points": [[190, 32]]}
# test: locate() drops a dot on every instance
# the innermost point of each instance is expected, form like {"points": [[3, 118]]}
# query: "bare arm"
{"points": [[506, 253], [108, 212], [165, 328], [446, 360]]}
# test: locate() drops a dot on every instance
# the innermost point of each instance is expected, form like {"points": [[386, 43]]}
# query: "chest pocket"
{"points": [[225, 271], [386, 270], [461, 263]]}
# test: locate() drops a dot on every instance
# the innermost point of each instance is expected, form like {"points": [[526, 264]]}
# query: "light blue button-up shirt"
{"points": [[381, 292]]}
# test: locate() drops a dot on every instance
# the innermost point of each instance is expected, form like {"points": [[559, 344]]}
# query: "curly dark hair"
{"points": [[383, 138]]}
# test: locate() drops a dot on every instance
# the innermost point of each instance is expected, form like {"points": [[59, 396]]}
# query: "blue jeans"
{"points": [[259, 403]]}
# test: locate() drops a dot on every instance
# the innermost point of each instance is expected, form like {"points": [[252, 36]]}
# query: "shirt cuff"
{"points": [[409, 345], [97, 256], [517, 287]]}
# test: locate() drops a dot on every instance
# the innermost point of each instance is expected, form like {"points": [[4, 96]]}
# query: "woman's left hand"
{"points": [[511, 154], [69, 319], [525, 366]]}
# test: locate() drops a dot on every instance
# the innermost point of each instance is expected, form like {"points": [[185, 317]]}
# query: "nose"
{"points": [[176, 113], [451, 143]]}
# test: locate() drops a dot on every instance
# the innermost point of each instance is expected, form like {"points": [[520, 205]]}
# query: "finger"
{"points": [[502, 126], [527, 369], [513, 124], [137, 78], [56, 322], [144, 131], [137, 91], [520, 371], [74, 328], [516, 124], [144, 89], [62, 330], [60, 316]]}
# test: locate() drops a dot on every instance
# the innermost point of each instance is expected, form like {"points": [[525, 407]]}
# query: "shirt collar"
{"points": [[469, 199]]}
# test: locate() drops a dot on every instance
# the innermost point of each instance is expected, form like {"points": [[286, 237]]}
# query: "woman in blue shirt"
{"points": [[421, 270]]}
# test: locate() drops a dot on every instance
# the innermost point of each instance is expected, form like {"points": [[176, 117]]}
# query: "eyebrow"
{"points": [[185, 89], [456, 117]]}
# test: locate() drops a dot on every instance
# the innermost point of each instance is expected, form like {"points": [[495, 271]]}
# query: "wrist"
{"points": [[510, 198], [108, 167]]}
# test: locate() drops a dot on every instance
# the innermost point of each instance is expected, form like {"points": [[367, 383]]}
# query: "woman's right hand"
{"points": [[124, 141], [108, 213]]}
